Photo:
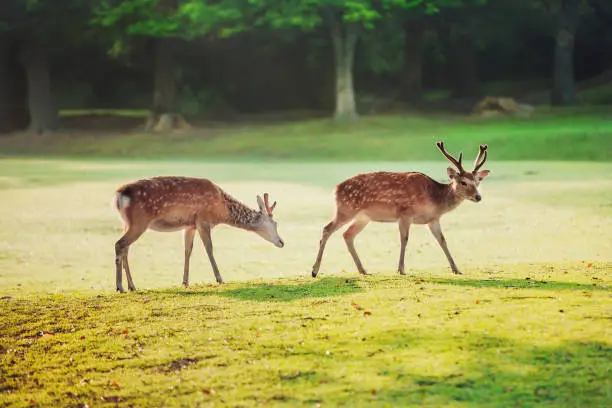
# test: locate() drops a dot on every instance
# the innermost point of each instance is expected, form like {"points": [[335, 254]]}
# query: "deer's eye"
{"points": [[463, 183]]}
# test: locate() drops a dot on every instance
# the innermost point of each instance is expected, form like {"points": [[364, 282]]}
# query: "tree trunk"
{"points": [[14, 113], [344, 39], [462, 56], [412, 76], [563, 92], [5, 89], [44, 116], [164, 85], [164, 116]]}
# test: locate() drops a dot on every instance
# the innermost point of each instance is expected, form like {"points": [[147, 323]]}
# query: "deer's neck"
{"points": [[448, 199], [239, 215]]}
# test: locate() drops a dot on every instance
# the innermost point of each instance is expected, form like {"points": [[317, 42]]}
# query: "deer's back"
{"points": [[174, 199], [388, 194]]}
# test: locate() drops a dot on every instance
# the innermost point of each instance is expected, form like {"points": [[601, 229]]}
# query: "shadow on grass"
{"points": [[487, 371], [506, 373], [517, 283], [265, 292]]}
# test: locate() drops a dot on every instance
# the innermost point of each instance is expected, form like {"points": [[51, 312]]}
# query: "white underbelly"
{"points": [[377, 216], [169, 225]]}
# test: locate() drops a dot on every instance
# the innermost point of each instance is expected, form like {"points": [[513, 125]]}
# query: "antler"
{"points": [[457, 163], [269, 208], [481, 155]]}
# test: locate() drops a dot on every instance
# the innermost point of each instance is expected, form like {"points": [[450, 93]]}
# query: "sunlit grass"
{"points": [[343, 340], [552, 135], [528, 323]]}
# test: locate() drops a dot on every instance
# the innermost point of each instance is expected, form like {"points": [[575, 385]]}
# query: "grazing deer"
{"points": [[190, 204], [406, 198]]}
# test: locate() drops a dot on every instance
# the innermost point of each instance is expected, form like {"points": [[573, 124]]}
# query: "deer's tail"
{"points": [[121, 201]]}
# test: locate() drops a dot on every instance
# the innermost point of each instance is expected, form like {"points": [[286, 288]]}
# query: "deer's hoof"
{"points": [[120, 290], [401, 272], [457, 272]]}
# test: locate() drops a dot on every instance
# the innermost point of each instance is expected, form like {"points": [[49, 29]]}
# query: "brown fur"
{"points": [[184, 203], [385, 196], [405, 198]]}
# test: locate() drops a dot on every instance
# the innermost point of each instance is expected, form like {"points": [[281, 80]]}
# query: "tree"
{"points": [[412, 75], [24, 23], [34, 28], [563, 92], [165, 22], [14, 113], [565, 15], [344, 20]]}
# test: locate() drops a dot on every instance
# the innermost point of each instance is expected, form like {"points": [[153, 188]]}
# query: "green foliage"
{"points": [[374, 58], [310, 14], [160, 18]]}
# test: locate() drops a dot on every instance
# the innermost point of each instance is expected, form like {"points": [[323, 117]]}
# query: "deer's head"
{"points": [[266, 227], [463, 182]]}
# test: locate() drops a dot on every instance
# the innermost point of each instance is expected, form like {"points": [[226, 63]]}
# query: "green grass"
{"points": [[528, 324], [575, 135], [423, 341]]}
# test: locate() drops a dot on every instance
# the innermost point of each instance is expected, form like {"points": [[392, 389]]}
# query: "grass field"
{"points": [[574, 135], [528, 324]]}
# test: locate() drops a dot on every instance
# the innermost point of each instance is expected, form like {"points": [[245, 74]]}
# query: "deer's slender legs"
{"points": [[436, 230], [404, 228], [121, 252], [329, 229], [126, 267], [188, 236], [204, 231], [349, 236]]}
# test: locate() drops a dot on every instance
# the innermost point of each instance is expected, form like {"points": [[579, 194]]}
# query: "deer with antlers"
{"points": [[189, 204], [405, 198]]}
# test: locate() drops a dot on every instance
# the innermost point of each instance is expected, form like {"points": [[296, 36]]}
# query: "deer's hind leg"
{"points": [[122, 246], [404, 228], [188, 236], [342, 217], [349, 237]]}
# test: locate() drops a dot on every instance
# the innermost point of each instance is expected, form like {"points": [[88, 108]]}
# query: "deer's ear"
{"points": [[452, 173], [482, 174], [262, 206]]}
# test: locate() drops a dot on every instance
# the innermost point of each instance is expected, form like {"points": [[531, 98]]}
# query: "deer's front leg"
{"points": [[188, 236], [436, 230], [204, 231], [404, 228]]}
